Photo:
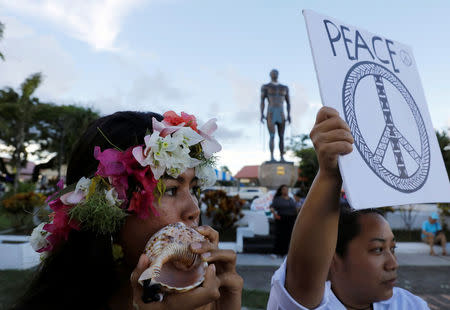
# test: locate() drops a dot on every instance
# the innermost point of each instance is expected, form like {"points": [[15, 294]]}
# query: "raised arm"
{"points": [[314, 237]]}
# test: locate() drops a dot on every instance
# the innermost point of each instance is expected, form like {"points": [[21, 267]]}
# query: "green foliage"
{"points": [[60, 127], [444, 145], [13, 284], [444, 209], [224, 210], [2, 28], [97, 214], [24, 120], [19, 209], [309, 164], [16, 120], [255, 298]]}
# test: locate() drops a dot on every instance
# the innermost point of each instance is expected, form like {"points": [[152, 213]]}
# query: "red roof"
{"points": [[247, 172]]}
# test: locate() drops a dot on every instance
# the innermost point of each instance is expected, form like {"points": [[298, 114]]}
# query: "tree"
{"points": [[309, 165], [60, 127], [16, 116], [2, 28], [444, 145]]}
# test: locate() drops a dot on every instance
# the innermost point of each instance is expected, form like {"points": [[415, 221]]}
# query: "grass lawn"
{"points": [[14, 282], [12, 285], [5, 221]]}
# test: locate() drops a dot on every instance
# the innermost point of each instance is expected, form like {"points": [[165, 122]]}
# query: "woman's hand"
{"points": [[331, 137], [221, 289], [230, 283], [201, 296]]}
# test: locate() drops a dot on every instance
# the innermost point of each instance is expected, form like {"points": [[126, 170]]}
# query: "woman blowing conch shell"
{"points": [[130, 175]]}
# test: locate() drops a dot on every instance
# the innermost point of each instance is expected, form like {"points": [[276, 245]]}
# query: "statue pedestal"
{"points": [[273, 174]]}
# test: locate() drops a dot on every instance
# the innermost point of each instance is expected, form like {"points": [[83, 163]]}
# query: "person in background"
{"points": [[432, 233], [298, 197], [284, 212]]}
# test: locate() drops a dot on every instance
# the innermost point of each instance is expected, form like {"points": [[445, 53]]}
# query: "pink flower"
{"points": [[113, 165], [60, 226], [60, 185], [117, 167], [210, 144], [187, 120]]}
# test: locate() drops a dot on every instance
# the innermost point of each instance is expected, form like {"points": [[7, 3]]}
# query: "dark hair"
{"points": [[299, 193], [349, 226], [81, 273], [278, 192]]}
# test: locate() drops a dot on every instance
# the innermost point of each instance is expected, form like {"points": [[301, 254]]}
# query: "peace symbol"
{"points": [[402, 180]]}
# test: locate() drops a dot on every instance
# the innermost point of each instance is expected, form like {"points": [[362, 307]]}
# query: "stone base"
{"points": [[273, 174]]}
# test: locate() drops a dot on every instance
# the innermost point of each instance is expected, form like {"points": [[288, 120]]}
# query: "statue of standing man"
{"points": [[276, 94]]}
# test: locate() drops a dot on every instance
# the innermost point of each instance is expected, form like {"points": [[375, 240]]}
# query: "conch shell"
{"points": [[174, 267]]}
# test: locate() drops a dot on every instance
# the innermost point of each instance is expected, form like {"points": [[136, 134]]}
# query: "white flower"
{"points": [[190, 137], [206, 175], [111, 197], [83, 185], [37, 238], [209, 144], [168, 154]]}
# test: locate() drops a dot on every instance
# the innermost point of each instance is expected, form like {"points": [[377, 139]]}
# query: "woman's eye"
{"points": [[195, 191], [393, 249], [377, 250], [171, 191]]}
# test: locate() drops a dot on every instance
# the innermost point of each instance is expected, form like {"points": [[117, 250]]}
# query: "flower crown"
{"points": [[101, 203]]}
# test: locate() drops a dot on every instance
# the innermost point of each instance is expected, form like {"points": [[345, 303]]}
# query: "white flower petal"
{"points": [[83, 185], [209, 127], [37, 238], [189, 135], [206, 175], [111, 196], [210, 146], [139, 155]]}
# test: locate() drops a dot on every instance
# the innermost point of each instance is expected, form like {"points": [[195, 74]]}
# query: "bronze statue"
{"points": [[276, 94]]}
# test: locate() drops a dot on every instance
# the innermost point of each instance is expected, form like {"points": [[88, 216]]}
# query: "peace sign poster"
{"points": [[374, 84]]}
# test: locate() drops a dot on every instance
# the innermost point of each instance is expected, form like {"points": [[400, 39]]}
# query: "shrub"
{"points": [[224, 210], [20, 207]]}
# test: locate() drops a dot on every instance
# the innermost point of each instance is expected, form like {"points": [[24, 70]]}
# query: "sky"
{"points": [[207, 58]]}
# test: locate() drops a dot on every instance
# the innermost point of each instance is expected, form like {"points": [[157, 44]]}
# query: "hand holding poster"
{"points": [[373, 83]]}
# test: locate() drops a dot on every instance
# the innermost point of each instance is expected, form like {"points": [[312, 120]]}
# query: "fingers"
{"points": [[224, 259], [334, 136], [207, 293], [331, 136], [232, 282], [326, 113], [211, 234], [336, 122]]}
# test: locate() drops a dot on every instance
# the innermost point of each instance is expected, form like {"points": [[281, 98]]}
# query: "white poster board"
{"points": [[374, 84]]}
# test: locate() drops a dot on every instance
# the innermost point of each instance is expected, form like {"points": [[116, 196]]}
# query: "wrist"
{"points": [[329, 175]]}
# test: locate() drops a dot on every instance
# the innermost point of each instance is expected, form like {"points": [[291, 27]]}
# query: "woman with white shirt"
{"points": [[338, 258]]}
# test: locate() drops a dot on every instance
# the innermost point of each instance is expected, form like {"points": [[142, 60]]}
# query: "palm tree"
{"points": [[2, 27], [17, 111]]}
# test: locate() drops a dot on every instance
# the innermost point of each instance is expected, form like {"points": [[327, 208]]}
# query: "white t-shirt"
{"points": [[281, 300]]}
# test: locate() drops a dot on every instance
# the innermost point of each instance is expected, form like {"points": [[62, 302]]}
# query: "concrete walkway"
{"points": [[408, 254]]}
